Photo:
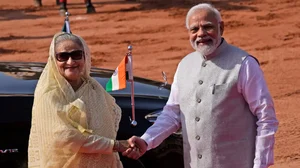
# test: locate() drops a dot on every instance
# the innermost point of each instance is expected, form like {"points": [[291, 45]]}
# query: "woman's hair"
{"points": [[202, 6], [68, 36]]}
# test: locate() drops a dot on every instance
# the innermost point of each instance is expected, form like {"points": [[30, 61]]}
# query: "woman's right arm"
{"points": [[97, 144]]}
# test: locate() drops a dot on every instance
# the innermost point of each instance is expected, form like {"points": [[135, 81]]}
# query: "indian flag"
{"points": [[66, 27], [118, 79]]}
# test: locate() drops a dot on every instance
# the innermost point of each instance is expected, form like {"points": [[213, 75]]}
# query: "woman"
{"points": [[74, 120]]}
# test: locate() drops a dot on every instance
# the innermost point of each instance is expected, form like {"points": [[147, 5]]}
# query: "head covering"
{"points": [[51, 73], [64, 120]]}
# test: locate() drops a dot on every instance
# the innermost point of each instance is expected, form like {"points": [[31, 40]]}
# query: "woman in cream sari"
{"points": [[74, 120]]}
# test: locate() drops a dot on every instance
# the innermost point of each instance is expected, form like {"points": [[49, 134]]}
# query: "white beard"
{"points": [[208, 49], [205, 49]]}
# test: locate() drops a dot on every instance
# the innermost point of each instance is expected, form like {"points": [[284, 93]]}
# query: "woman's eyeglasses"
{"points": [[64, 56]]}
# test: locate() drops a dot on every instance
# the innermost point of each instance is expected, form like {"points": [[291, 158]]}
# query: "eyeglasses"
{"points": [[64, 56]]}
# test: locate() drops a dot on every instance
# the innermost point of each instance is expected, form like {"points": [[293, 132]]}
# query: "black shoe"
{"points": [[90, 9], [38, 3]]}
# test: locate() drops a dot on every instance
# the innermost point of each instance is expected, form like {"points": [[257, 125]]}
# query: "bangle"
{"points": [[116, 146]]}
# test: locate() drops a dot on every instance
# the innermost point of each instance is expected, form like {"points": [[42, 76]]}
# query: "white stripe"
{"points": [[68, 27], [115, 80]]}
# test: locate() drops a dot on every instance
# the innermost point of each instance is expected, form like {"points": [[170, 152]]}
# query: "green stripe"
{"points": [[109, 85]]}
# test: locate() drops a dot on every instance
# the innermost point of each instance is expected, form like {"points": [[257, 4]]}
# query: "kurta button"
{"points": [[198, 137], [197, 119], [200, 82], [204, 64], [199, 156], [199, 100]]}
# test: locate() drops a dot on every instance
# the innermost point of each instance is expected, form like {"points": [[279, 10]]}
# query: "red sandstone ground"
{"points": [[268, 29]]}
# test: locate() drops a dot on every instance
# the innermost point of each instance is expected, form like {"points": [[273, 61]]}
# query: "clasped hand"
{"points": [[133, 148]]}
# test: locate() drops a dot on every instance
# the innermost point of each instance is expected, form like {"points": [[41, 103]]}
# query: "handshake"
{"points": [[132, 148]]}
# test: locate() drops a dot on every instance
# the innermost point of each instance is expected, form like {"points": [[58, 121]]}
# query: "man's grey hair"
{"points": [[199, 7]]}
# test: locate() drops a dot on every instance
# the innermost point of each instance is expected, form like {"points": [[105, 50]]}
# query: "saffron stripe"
{"points": [[122, 74]]}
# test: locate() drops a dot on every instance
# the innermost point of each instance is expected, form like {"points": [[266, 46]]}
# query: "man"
{"points": [[63, 6], [220, 99]]}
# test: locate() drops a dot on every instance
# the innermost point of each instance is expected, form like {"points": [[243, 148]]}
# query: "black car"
{"points": [[17, 83]]}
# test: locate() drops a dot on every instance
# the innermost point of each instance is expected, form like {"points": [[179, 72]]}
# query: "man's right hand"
{"points": [[138, 147]]}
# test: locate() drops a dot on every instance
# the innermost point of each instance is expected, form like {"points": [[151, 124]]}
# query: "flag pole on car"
{"points": [[66, 28], [130, 78], [118, 80]]}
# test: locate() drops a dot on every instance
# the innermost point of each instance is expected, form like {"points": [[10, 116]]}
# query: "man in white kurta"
{"points": [[220, 99]]}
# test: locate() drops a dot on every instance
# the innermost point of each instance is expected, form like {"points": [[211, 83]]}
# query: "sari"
{"points": [[72, 128]]}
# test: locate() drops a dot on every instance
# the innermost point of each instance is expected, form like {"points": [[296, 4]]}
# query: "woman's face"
{"points": [[70, 60]]}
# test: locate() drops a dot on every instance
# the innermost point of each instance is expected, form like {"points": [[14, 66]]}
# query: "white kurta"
{"points": [[252, 86]]}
